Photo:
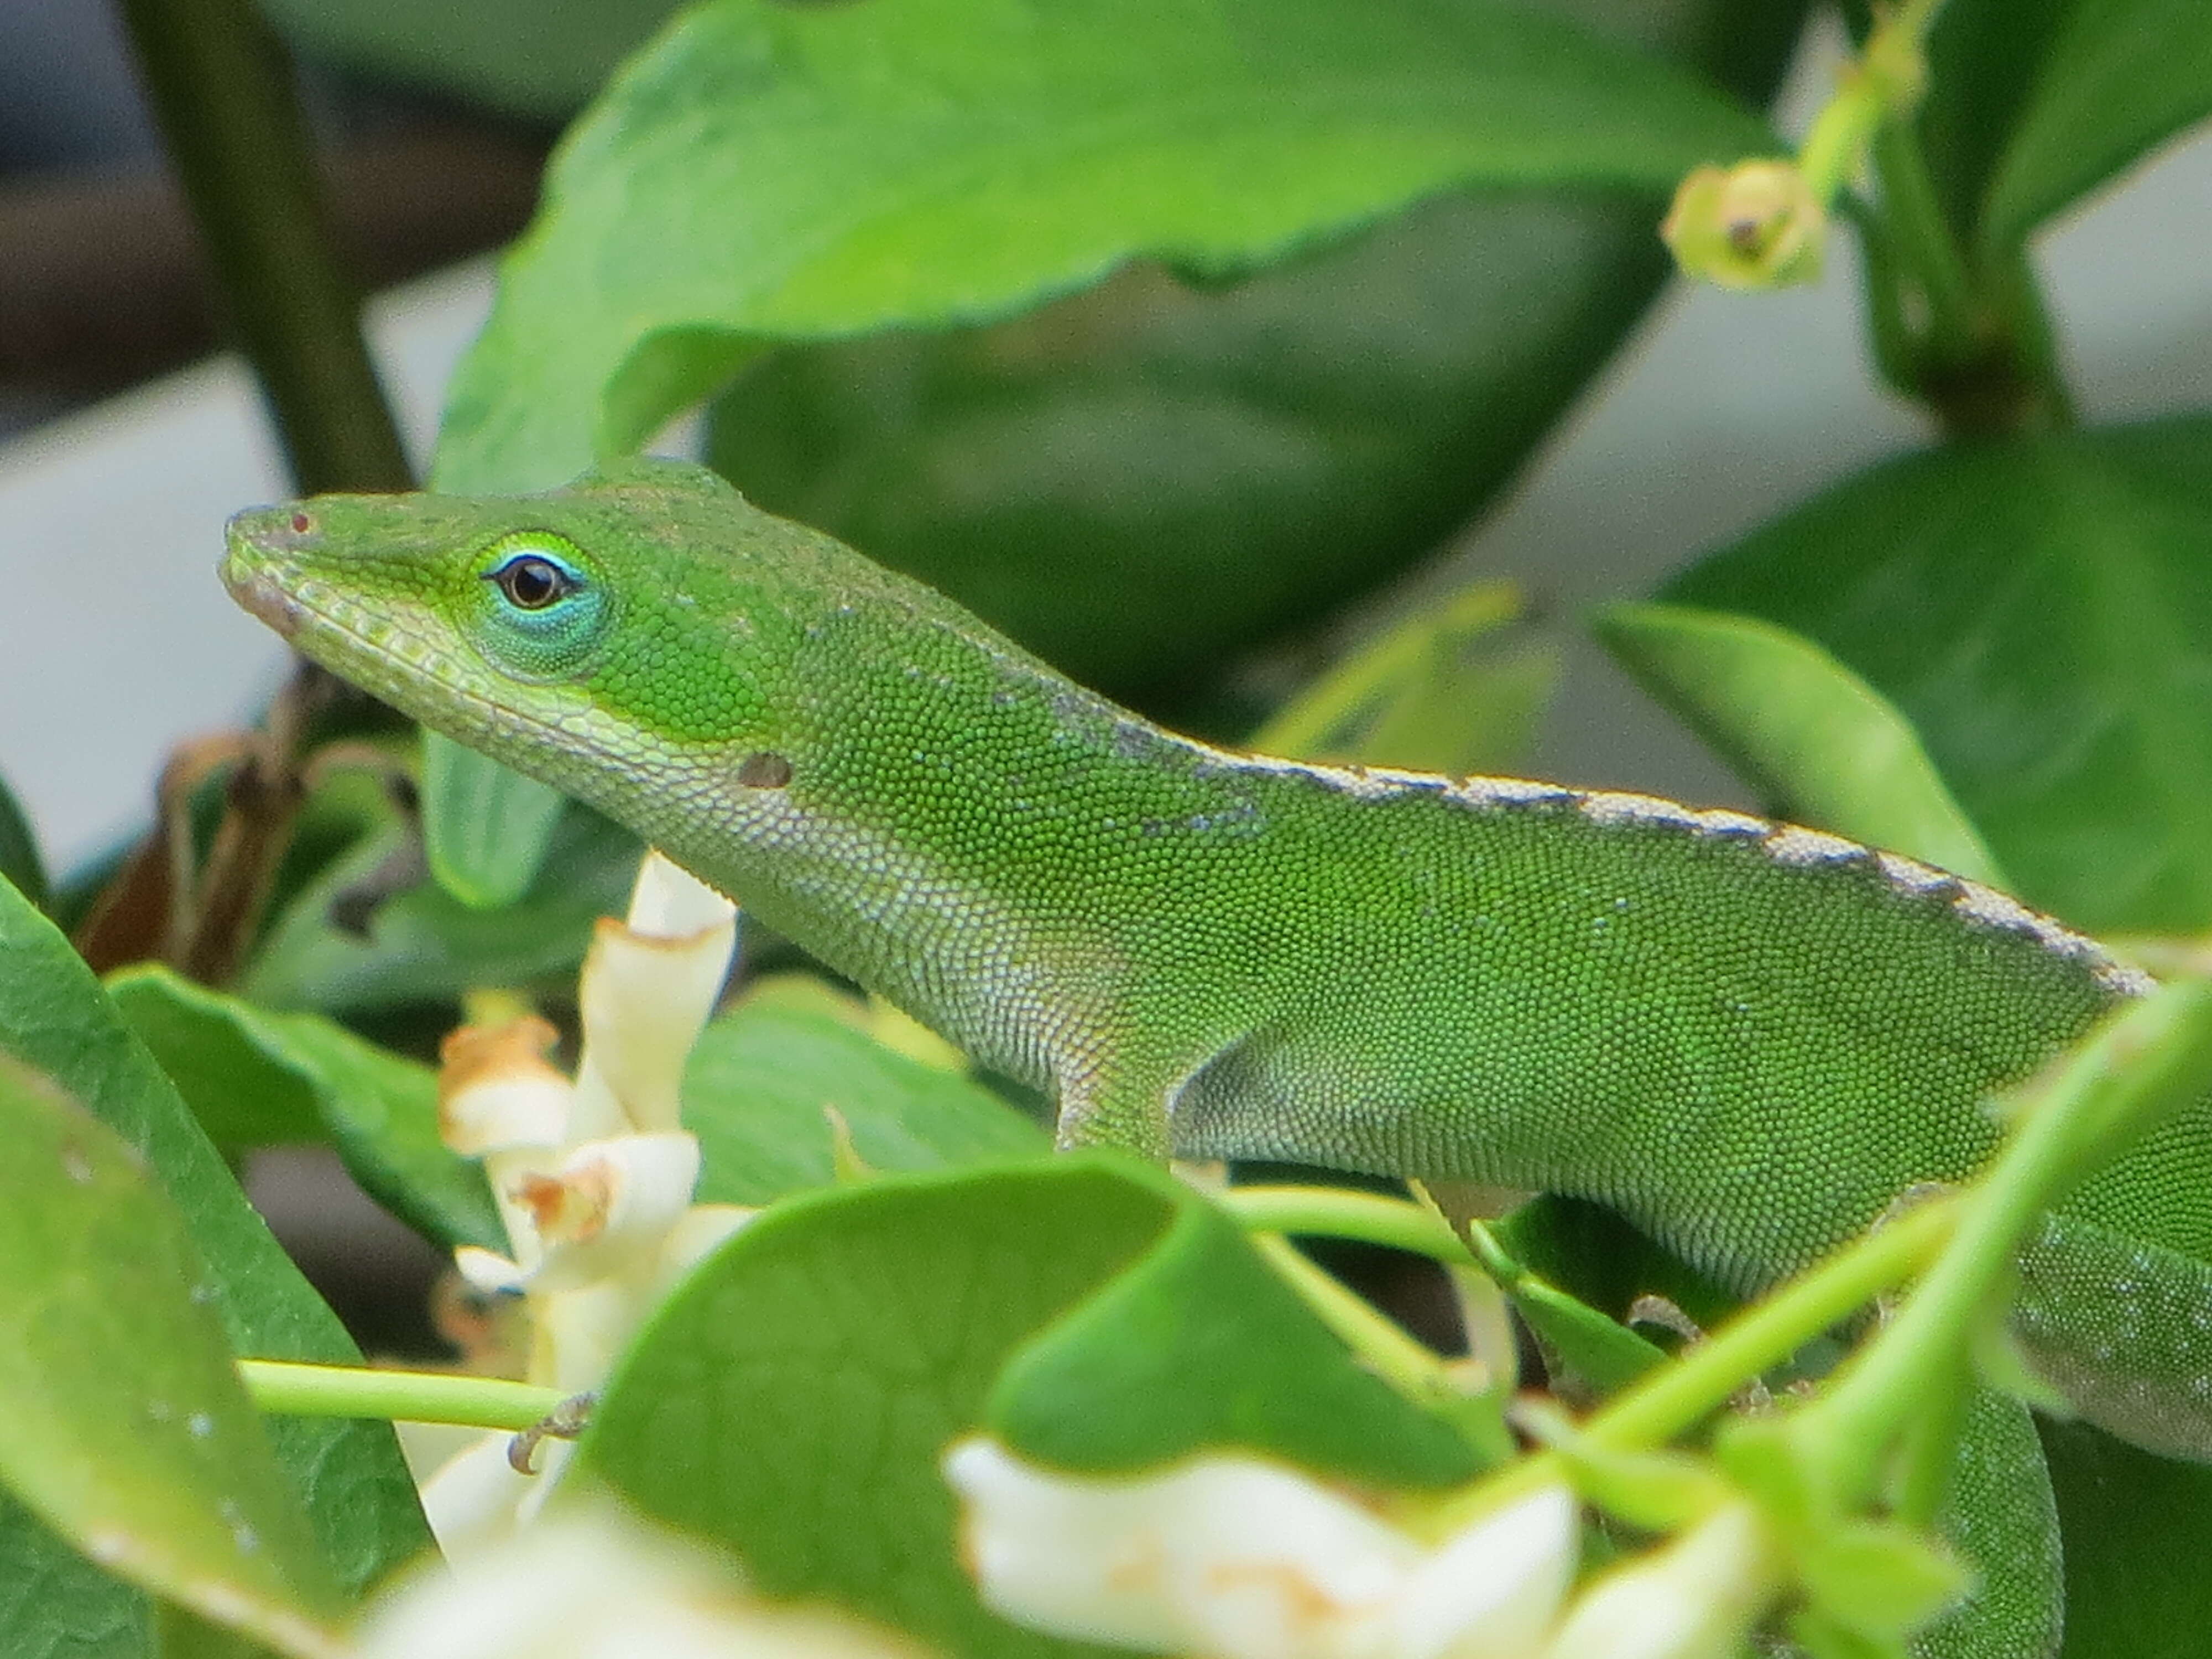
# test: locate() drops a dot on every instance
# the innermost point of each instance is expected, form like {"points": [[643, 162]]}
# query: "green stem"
{"points": [[1704, 1376], [2143, 1064], [482, 1402], [1702, 1379], [1407, 1364], [1922, 247], [222, 90], [1333, 1213]]}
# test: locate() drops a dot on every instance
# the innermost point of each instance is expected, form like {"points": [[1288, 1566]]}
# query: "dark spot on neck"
{"points": [[764, 770]]}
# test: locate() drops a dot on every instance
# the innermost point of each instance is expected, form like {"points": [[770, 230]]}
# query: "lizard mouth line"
{"points": [[265, 598], [333, 640]]}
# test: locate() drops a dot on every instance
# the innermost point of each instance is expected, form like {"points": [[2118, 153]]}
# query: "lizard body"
{"points": [[1748, 1038]]}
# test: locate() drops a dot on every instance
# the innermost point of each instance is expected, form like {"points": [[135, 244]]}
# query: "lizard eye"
{"points": [[544, 610], [532, 581]]}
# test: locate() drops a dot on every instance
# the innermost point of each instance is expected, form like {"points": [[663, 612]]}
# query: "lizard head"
{"points": [[639, 620]]}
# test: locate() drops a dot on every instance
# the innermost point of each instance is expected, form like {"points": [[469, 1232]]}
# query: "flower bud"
{"points": [[1754, 225]]}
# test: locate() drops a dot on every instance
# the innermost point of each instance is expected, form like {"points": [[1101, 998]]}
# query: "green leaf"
{"points": [[1571, 1271], [792, 1399], [1202, 1346], [538, 58], [487, 829], [256, 1078], [122, 1420], [2040, 610], [2034, 104], [57, 1604], [760, 1076], [1453, 689], [1138, 480], [1350, 409], [2119, 78], [425, 946], [19, 850], [1822, 746], [1983, 59], [946, 161], [2138, 1531], [55, 1018]]}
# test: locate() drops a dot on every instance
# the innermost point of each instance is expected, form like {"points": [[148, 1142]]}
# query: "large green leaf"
{"points": [[1822, 746], [55, 1017], [474, 815], [254, 1078], [122, 1420], [531, 58], [2138, 1531], [793, 1399], [943, 160], [1136, 480], [2041, 611], [1201, 1345], [19, 850], [2032, 104], [55, 1604], [425, 946], [2119, 78], [763, 1077]]}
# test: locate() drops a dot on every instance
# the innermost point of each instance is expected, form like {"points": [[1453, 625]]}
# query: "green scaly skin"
{"points": [[1747, 1038]]}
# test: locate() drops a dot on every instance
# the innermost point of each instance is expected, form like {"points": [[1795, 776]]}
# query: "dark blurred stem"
{"points": [[1970, 340], [222, 90]]}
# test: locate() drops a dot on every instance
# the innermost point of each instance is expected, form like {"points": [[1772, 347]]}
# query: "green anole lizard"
{"points": [[1747, 1038]]}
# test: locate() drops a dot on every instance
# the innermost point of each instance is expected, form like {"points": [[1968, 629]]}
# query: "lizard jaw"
{"points": [[254, 546]]}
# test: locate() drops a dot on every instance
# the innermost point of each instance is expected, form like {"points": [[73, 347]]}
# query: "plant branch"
{"points": [[2141, 1065], [221, 88], [481, 1402], [1333, 1213]]}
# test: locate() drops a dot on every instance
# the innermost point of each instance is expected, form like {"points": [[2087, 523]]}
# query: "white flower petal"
{"points": [[644, 1000], [1693, 1598], [495, 1275], [471, 1502], [607, 1207], [669, 901], [579, 1334], [496, 1090], [1492, 1591], [591, 1584], [1229, 1557], [695, 1236]]}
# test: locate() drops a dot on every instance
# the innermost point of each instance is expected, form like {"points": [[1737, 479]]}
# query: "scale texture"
{"points": [[1748, 1038]]}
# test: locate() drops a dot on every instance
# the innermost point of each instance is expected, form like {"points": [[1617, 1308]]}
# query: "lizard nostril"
{"points": [[301, 524]]}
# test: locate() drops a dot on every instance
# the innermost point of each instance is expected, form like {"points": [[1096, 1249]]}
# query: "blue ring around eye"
{"points": [[554, 638]]}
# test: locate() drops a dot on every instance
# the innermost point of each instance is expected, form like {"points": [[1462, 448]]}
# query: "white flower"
{"points": [[1231, 1557], [593, 1584], [593, 1178], [1695, 1597]]}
